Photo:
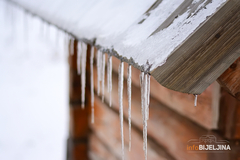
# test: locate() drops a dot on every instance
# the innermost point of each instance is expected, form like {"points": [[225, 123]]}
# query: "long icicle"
{"points": [[103, 75], [142, 98], [148, 95], [66, 42], [129, 90], [79, 50], [108, 74], [57, 38], [92, 84], [99, 66], [110, 81], [83, 73], [120, 94], [98, 75], [71, 45], [145, 114]]}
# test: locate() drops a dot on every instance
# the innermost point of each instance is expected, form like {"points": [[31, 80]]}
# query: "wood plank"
{"points": [[206, 112], [205, 55], [230, 79], [229, 122]]}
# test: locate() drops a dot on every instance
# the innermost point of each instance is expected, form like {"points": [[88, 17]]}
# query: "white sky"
{"points": [[33, 93]]}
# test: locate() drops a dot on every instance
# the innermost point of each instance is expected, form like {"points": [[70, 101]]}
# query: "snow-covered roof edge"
{"points": [[155, 63]]}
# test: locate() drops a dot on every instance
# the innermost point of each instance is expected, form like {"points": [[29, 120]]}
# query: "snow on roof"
{"points": [[147, 31]]}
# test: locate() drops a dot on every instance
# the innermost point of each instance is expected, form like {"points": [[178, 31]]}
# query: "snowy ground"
{"points": [[33, 91]]}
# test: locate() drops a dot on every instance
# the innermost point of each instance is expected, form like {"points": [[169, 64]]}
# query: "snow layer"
{"points": [[115, 24]]}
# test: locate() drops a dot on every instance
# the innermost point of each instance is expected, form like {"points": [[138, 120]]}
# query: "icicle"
{"points": [[99, 66], [72, 46], [79, 50], [110, 81], [103, 75], [142, 94], [120, 94], [41, 28], [67, 43], [92, 84], [142, 84], [108, 77], [129, 81], [108, 74], [195, 101], [148, 96], [83, 73], [145, 85], [57, 31]]}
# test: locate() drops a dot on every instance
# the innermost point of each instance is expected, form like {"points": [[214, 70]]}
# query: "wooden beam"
{"points": [[205, 55], [230, 79]]}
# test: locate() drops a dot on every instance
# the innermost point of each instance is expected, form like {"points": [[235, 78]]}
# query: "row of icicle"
{"points": [[100, 63]]}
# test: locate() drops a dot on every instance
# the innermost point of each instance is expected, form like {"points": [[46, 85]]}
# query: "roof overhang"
{"points": [[185, 44]]}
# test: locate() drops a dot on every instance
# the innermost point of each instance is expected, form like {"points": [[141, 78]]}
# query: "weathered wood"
{"points": [[205, 55], [230, 79], [229, 122], [107, 128], [206, 112], [78, 124]]}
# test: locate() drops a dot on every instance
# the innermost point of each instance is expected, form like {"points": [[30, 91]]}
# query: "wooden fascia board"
{"points": [[206, 53]]}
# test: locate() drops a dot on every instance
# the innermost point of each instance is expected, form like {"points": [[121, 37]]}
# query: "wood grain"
{"points": [[205, 55]]}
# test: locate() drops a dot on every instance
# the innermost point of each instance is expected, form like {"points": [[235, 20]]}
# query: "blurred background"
{"points": [[33, 90]]}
